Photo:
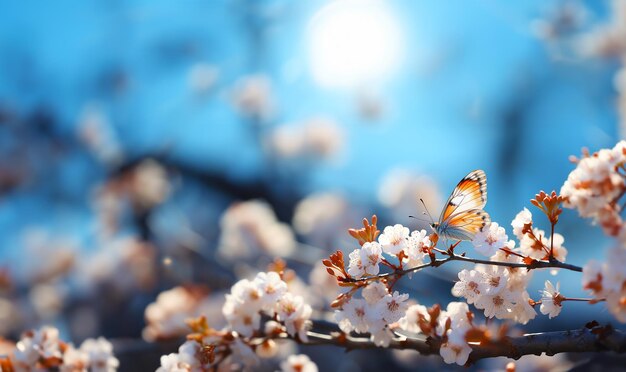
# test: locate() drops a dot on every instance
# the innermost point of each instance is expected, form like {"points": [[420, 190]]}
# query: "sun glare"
{"points": [[353, 43]]}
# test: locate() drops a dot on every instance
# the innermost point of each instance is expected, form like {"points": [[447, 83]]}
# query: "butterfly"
{"points": [[463, 215]]}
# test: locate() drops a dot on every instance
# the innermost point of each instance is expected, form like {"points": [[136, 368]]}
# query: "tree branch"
{"points": [[594, 339], [436, 263], [589, 339]]}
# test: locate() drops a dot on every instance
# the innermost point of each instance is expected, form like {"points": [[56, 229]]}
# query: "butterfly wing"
{"points": [[463, 216], [464, 225]]}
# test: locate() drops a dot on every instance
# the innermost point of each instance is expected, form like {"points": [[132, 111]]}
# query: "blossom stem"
{"points": [[583, 299]]}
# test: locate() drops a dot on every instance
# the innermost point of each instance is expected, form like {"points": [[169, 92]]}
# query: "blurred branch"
{"points": [[589, 339], [592, 338]]}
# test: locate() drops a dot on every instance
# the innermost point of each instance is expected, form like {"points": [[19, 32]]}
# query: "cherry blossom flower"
{"points": [[606, 281], [252, 96], [410, 321], [374, 292], [295, 314], [298, 363], [522, 312], [267, 349], [596, 182], [382, 337], [495, 279], [242, 354], [74, 360], [469, 285], [166, 316], [365, 260], [355, 315], [393, 306], [415, 249], [498, 304], [272, 288], [455, 353], [490, 239], [551, 300], [394, 239], [251, 228], [33, 346], [521, 219]]}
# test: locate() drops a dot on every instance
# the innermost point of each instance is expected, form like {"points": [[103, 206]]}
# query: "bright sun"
{"points": [[354, 43]]}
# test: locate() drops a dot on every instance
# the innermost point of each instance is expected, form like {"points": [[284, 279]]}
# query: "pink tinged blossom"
{"points": [[74, 360], [243, 354], [183, 361], [394, 239], [382, 337], [490, 239], [393, 306], [295, 314], [551, 300], [469, 285], [522, 312], [271, 287], [172, 363], [298, 363], [593, 277], [42, 343], [364, 261], [415, 251], [499, 305], [457, 313], [455, 353], [495, 279], [354, 316], [410, 321], [374, 292], [522, 218], [100, 354]]}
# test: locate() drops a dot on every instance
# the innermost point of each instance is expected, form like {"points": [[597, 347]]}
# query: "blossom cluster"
{"points": [[409, 248], [375, 313], [315, 138], [251, 227], [607, 280], [166, 317], [596, 185], [42, 349], [245, 338], [454, 327]]}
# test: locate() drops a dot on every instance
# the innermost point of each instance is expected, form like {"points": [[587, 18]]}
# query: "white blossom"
{"points": [[374, 292], [355, 315], [394, 239], [410, 321], [415, 248], [490, 239], [522, 218], [455, 352], [298, 363], [550, 300], [365, 260], [470, 285]]}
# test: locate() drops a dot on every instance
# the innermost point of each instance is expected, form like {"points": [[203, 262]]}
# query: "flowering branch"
{"points": [[452, 257], [592, 338]]}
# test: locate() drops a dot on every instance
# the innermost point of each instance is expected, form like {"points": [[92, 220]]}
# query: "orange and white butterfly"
{"points": [[463, 215]]}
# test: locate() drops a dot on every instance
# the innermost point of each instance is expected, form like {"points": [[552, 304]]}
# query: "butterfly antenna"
{"points": [[427, 212], [419, 219]]}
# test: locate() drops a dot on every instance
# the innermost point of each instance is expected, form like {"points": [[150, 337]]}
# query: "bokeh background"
{"points": [[150, 145]]}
